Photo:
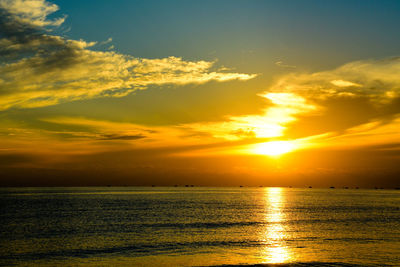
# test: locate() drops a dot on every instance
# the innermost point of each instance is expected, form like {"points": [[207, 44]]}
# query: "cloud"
{"points": [[88, 129], [341, 83], [39, 68], [381, 135], [351, 95], [79, 128], [29, 13], [281, 64], [122, 137], [109, 40], [375, 79]]}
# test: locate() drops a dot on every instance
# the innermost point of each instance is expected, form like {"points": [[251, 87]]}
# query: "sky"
{"points": [[209, 93]]}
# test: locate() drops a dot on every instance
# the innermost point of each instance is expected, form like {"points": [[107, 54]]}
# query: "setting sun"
{"points": [[274, 148]]}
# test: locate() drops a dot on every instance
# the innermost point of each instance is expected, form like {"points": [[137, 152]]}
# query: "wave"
{"points": [[131, 250], [207, 225]]}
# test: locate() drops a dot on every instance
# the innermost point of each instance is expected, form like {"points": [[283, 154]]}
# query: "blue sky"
{"points": [[248, 34]]}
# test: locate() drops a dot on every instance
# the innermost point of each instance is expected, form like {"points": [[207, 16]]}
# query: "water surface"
{"points": [[197, 226]]}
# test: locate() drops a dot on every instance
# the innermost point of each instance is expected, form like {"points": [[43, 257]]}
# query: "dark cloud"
{"points": [[20, 38], [121, 137]]}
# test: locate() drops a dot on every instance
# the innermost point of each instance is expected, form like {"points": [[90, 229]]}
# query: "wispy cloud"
{"points": [[341, 83], [93, 130], [39, 68], [281, 64], [355, 94], [376, 79]]}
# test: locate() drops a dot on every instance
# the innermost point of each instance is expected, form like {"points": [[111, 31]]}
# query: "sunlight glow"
{"points": [[275, 233], [274, 148], [273, 122], [283, 109]]}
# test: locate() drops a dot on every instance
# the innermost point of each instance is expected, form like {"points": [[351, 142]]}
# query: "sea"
{"points": [[199, 226]]}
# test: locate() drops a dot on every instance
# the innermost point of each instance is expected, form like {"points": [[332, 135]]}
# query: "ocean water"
{"points": [[199, 226]]}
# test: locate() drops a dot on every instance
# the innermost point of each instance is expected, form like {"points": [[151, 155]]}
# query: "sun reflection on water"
{"points": [[275, 233]]}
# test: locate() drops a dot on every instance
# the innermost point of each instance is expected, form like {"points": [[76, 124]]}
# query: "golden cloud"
{"points": [[375, 79]]}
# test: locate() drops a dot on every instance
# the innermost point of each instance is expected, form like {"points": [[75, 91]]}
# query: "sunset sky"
{"points": [[224, 93]]}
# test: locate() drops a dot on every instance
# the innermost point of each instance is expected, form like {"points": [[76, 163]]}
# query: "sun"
{"points": [[274, 148]]}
